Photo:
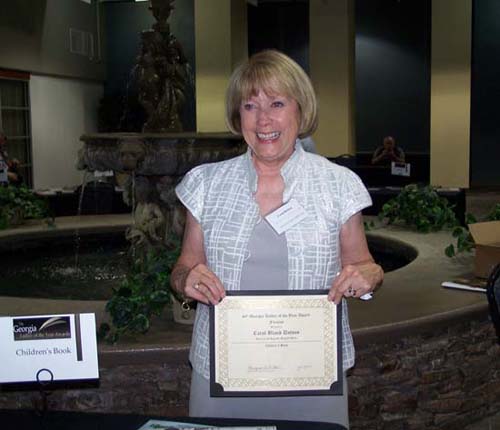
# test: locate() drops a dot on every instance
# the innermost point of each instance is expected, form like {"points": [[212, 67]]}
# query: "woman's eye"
{"points": [[277, 104], [248, 106]]}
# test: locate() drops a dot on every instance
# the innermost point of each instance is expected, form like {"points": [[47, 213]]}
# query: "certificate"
{"points": [[275, 343]]}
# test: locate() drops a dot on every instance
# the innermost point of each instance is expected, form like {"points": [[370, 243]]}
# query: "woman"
{"points": [[228, 245]]}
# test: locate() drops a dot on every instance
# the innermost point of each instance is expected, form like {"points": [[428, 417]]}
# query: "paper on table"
{"points": [[175, 425], [457, 286]]}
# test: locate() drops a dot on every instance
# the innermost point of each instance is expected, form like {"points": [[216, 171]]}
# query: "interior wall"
{"points": [[450, 92], [485, 133], [280, 25], [35, 37], [61, 111], [392, 75]]}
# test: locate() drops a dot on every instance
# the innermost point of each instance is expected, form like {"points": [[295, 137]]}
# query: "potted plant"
{"points": [[419, 207], [18, 204]]}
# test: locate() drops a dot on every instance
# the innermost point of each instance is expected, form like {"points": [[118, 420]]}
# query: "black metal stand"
{"points": [[41, 407]]}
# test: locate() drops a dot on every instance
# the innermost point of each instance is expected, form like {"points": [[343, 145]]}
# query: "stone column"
{"points": [[450, 92], [331, 60], [221, 41]]}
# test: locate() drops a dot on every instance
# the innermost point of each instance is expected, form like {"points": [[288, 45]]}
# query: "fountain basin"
{"points": [[87, 265]]}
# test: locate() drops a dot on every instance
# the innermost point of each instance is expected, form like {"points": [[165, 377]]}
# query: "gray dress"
{"points": [[266, 268]]}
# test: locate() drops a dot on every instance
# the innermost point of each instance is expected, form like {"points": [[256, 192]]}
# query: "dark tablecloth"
{"points": [[30, 420]]}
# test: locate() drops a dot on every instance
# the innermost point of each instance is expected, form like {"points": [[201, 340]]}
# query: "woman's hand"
{"points": [[198, 283], [191, 277], [360, 274], [355, 280]]}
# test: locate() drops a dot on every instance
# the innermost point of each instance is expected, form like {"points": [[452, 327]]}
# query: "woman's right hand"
{"points": [[191, 277], [202, 284]]}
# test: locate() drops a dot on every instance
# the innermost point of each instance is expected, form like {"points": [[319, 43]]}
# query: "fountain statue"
{"points": [[161, 73], [148, 165]]}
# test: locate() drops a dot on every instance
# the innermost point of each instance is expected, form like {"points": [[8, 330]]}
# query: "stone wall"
{"points": [[150, 389], [441, 378]]}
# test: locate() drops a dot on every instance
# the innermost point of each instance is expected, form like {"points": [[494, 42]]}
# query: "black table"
{"points": [[30, 420]]}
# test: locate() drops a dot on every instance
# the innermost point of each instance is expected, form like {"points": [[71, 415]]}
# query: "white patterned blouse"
{"points": [[220, 196]]}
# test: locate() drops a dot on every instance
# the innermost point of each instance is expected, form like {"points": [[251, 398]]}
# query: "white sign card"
{"points": [[48, 348], [400, 169]]}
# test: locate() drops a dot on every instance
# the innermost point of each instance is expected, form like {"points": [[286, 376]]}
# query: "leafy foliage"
{"points": [[465, 242], [368, 225], [142, 295], [421, 208], [18, 204]]}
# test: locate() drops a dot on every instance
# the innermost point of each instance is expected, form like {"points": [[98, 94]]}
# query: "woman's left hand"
{"points": [[360, 274], [355, 281]]}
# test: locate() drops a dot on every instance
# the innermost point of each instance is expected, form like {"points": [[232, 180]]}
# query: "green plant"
{"points": [[494, 215], [142, 295], [368, 225], [18, 204], [464, 240], [421, 208]]}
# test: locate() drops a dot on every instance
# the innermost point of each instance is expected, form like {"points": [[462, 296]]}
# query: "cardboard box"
{"points": [[486, 236]]}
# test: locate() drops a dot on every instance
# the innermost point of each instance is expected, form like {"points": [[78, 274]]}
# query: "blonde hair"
{"points": [[274, 73]]}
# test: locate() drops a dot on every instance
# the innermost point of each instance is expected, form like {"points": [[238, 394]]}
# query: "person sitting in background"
{"points": [[388, 152], [8, 168]]}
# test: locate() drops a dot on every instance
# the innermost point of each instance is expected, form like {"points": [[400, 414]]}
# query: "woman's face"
{"points": [[270, 125]]}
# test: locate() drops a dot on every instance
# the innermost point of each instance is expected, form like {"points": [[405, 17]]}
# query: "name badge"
{"points": [[285, 217]]}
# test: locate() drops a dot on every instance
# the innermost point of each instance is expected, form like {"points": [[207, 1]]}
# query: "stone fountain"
{"points": [[148, 165]]}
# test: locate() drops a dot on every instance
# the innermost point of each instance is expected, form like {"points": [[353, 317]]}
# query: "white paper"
{"points": [[457, 286], [161, 424], [275, 343]]}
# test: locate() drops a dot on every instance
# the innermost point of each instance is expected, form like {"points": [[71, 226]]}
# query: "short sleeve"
{"points": [[354, 195], [190, 191]]}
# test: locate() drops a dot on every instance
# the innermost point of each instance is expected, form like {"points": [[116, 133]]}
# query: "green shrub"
{"points": [[18, 204], [421, 208]]}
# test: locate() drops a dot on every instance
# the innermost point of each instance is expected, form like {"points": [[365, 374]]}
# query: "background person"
{"points": [[7, 165], [229, 245], [388, 152]]}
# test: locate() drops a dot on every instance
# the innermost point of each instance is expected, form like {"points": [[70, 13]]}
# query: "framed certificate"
{"points": [[275, 343]]}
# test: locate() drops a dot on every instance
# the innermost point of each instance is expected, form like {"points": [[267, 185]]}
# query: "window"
{"points": [[15, 120]]}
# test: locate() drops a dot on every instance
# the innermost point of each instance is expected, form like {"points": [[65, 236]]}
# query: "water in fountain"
{"points": [[44, 268], [79, 212]]}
